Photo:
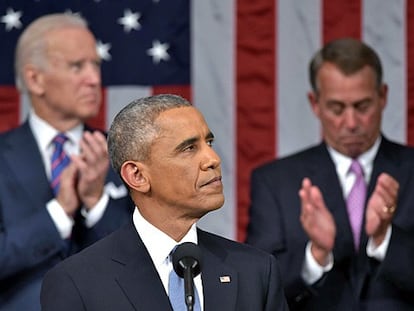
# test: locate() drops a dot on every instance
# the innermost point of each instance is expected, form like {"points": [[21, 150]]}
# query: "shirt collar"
{"points": [[159, 244], [44, 132], [366, 159]]}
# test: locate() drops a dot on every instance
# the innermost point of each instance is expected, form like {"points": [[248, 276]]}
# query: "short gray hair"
{"points": [[133, 131], [349, 56], [32, 44]]}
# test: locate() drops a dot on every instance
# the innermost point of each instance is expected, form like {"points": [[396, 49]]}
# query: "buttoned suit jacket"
{"points": [[29, 241], [356, 282], [117, 273]]}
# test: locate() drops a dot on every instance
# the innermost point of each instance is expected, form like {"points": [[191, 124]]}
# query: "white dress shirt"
{"points": [[159, 245], [312, 271]]}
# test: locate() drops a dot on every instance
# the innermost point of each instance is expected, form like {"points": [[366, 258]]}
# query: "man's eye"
{"points": [[362, 107], [189, 148], [210, 143], [337, 109], [76, 65]]}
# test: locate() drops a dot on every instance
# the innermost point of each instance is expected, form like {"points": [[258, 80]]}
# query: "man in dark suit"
{"points": [[162, 148], [41, 224], [332, 258]]}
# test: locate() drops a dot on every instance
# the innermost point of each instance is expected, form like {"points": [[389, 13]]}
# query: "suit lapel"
{"points": [[219, 280], [387, 161], [323, 174], [137, 275], [23, 157]]}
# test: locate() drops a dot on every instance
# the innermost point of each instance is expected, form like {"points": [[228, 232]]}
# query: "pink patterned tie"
{"points": [[356, 200]]}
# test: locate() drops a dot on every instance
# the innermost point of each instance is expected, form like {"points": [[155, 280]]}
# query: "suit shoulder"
{"points": [[290, 162], [393, 146], [397, 152], [100, 249], [11, 134], [231, 247]]}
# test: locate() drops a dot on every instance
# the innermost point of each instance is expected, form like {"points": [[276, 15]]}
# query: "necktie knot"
{"points": [[59, 140], [356, 168]]}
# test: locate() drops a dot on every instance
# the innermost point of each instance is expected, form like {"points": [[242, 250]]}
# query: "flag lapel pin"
{"points": [[225, 279]]}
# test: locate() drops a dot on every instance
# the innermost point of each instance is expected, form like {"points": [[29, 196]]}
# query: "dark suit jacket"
{"points": [[117, 273], [356, 282], [29, 241]]}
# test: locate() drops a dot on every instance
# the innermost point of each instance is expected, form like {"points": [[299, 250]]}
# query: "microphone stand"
{"points": [[186, 261], [189, 288]]}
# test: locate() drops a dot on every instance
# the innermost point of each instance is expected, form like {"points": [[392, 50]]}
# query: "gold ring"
{"points": [[389, 210]]}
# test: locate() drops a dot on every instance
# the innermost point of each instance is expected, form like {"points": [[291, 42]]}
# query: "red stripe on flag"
{"points": [[255, 96], [182, 90], [410, 71], [9, 108], [99, 121], [341, 19]]}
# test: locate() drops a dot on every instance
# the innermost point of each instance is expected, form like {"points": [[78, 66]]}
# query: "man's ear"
{"points": [[34, 79], [313, 100], [135, 176]]}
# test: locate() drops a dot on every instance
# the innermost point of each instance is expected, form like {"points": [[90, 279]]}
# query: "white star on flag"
{"points": [[103, 50], [130, 20], [159, 51], [12, 19]]}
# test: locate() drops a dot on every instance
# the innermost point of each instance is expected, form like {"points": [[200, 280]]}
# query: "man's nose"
{"points": [[211, 159]]}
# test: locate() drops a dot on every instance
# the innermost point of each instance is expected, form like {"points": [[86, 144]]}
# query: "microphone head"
{"points": [[187, 255]]}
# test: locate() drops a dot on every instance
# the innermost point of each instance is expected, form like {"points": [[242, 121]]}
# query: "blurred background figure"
{"points": [[57, 192], [337, 215]]}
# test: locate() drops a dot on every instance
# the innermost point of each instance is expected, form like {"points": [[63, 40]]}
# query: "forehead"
{"points": [[180, 117], [333, 82], [75, 42], [182, 121], [330, 73]]}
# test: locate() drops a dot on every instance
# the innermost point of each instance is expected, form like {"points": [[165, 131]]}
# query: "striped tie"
{"points": [[59, 161]]}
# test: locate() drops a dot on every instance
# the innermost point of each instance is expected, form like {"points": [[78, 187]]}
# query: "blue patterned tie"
{"points": [[59, 161], [176, 293]]}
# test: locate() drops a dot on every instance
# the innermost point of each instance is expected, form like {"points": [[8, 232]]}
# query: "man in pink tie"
{"points": [[57, 195], [337, 215]]}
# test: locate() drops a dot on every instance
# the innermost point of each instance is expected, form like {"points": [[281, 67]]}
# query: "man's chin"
{"points": [[90, 113], [215, 205], [354, 150]]}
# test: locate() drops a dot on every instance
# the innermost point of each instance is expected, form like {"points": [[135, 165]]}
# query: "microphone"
{"points": [[186, 260]]}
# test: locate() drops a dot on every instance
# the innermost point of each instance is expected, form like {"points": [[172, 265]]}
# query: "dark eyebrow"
{"points": [[186, 143], [192, 140], [210, 135]]}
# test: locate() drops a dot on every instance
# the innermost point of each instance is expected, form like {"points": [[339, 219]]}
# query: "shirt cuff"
{"points": [[378, 252], [63, 222], [93, 215], [311, 270]]}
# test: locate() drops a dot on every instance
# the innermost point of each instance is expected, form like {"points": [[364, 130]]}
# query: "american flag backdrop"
{"points": [[243, 63]]}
